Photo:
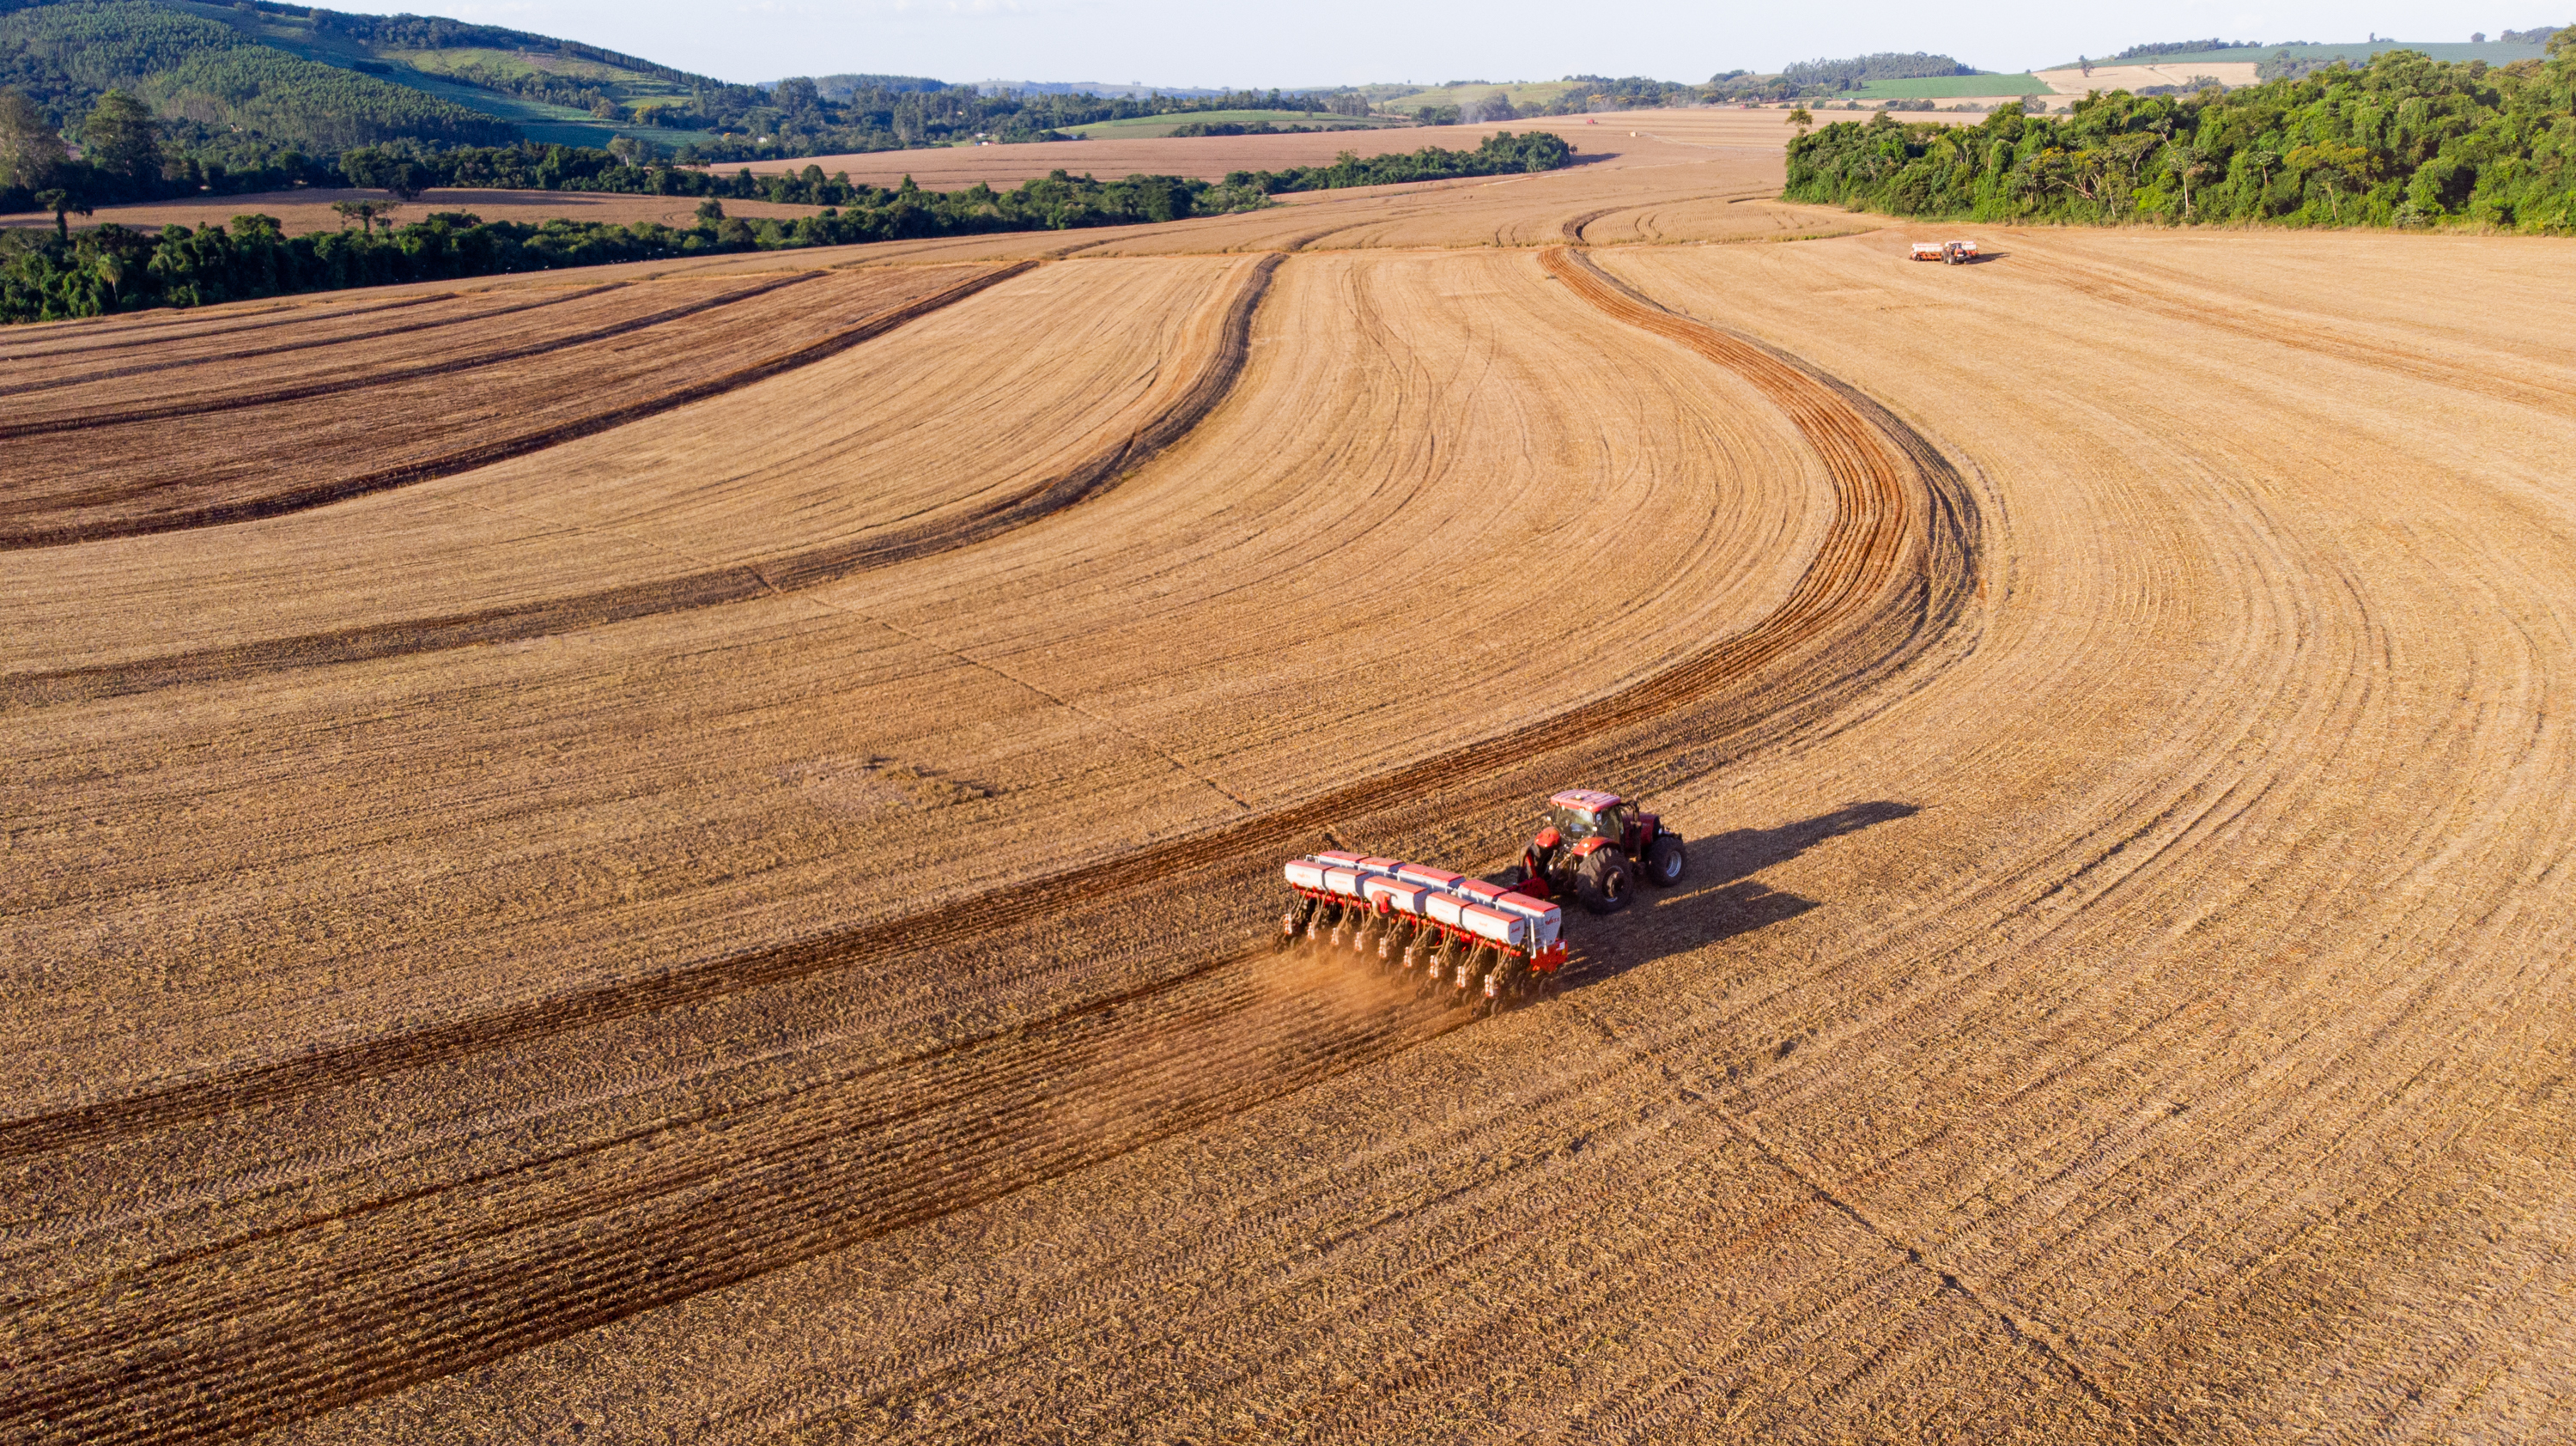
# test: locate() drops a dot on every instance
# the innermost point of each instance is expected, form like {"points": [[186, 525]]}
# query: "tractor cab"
{"points": [[1595, 846], [1582, 813]]}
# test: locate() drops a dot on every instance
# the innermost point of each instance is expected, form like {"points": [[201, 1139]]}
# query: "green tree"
{"points": [[2335, 168], [121, 140], [2197, 163], [378, 169], [1798, 117], [31, 150], [367, 213], [62, 203]]}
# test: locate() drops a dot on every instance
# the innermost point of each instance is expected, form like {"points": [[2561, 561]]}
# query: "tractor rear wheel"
{"points": [[1665, 861], [1604, 883]]}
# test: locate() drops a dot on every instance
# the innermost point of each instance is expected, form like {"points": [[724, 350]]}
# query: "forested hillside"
{"points": [[1838, 75], [262, 85], [2404, 141], [216, 91], [1834, 77]]}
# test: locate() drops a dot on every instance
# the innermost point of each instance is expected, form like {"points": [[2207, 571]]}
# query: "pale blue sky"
{"points": [[1320, 42]]}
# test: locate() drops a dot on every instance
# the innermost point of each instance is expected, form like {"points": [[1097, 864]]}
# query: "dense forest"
{"points": [[1829, 77], [208, 84], [49, 275], [798, 117], [2403, 141], [2185, 47], [1841, 75]]}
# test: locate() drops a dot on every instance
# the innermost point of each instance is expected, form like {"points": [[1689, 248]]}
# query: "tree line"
{"points": [[1586, 93], [797, 117], [2402, 141], [2153, 49], [54, 275]]}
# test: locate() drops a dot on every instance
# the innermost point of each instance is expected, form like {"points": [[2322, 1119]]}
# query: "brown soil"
{"points": [[129, 441], [1625, 136], [310, 210], [475, 972]]}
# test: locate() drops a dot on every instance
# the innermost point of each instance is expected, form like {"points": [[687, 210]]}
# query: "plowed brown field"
{"points": [[744, 917], [298, 212]]}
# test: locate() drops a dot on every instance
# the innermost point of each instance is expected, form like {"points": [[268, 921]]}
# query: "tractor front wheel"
{"points": [[1604, 883], [1665, 861]]}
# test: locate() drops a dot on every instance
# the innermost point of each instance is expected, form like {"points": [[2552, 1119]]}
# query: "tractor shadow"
{"points": [[1718, 899]]}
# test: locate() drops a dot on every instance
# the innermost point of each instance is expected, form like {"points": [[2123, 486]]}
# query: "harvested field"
{"points": [[2104, 79], [1154, 126], [301, 211], [563, 536], [748, 922], [108, 452], [1607, 135]]}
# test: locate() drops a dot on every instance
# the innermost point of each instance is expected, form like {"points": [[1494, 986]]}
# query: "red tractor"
{"points": [[1596, 846]]}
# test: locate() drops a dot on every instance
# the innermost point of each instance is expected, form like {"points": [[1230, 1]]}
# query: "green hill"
{"points": [[211, 84], [551, 90], [1222, 122], [2493, 52], [235, 79], [1944, 87], [258, 85]]}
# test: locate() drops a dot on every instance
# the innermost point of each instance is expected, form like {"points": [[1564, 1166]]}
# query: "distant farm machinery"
{"points": [[1488, 945], [1948, 253]]}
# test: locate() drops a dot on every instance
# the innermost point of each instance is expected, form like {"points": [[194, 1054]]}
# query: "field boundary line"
{"points": [[2021, 1326]]}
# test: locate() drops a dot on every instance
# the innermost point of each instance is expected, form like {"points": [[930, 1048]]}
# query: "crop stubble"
{"points": [[1857, 572], [2118, 1005], [82, 471]]}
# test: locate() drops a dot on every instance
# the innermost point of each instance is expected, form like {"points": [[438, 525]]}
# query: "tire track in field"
{"points": [[411, 329], [1446, 1225], [455, 1274], [1572, 230], [2300, 333], [300, 499], [1854, 598], [740, 582], [156, 335], [576, 1240], [337, 386]]}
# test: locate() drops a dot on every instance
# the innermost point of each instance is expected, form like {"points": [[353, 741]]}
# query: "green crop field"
{"points": [[1943, 87], [1145, 126]]}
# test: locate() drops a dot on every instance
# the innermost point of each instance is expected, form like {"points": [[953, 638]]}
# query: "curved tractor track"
{"points": [[549, 1246], [739, 582], [483, 454], [234, 401], [155, 332], [408, 328]]}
